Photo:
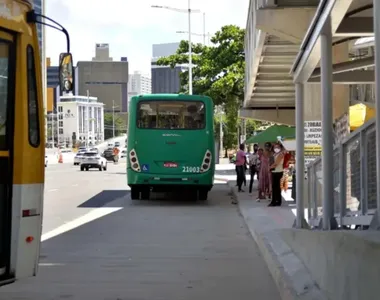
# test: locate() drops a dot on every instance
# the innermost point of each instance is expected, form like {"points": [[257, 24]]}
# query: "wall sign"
{"points": [[313, 141]]}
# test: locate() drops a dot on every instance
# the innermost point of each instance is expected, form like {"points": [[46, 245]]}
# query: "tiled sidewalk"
{"points": [[265, 224]]}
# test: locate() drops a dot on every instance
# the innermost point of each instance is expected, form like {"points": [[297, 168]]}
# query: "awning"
{"points": [[271, 134]]}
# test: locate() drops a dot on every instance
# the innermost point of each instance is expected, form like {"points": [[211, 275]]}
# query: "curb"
{"points": [[293, 280]]}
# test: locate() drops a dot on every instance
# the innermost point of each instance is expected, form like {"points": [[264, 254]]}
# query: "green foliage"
{"points": [[252, 125], [120, 126], [218, 72]]}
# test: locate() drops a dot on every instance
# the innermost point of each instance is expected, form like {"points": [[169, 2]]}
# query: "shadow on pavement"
{"points": [[104, 197]]}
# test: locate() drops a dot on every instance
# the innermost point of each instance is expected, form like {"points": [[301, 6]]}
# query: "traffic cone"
{"points": [[60, 159]]}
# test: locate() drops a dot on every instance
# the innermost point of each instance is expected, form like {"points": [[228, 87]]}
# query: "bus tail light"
{"points": [[206, 163], [135, 165]]}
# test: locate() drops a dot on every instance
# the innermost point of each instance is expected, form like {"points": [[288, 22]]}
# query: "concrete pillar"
{"points": [[312, 108]]}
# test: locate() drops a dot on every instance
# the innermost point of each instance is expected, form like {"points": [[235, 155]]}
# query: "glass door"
{"points": [[7, 98]]}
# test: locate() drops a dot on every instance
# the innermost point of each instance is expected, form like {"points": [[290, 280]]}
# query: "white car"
{"points": [[123, 153], [93, 160], [78, 157]]}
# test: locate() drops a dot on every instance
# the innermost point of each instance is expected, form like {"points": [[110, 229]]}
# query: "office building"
{"points": [[53, 91], [139, 84], [40, 8], [80, 119], [52, 86], [105, 79], [165, 79]]}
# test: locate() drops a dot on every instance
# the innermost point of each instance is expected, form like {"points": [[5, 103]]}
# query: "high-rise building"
{"points": [[40, 8], [165, 79], [53, 89], [105, 79], [139, 84]]}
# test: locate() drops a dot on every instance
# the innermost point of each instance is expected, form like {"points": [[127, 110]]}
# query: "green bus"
{"points": [[171, 145]]}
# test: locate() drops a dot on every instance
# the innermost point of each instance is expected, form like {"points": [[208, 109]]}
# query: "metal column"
{"points": [[300, 157], [376, 27], [327, 128]]}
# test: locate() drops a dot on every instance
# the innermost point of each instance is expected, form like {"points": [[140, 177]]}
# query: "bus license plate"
{"points": [[191, 169], [170, 165]]}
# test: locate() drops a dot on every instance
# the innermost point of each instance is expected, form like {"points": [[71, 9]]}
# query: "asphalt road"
{"points": [[140, 250]]}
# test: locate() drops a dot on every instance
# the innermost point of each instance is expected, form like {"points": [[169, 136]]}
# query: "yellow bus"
{"points": [[22, 141]]}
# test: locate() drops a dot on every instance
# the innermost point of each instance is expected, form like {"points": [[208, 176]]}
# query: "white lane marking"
{"points": [[91, 216], [216, 181], [50, 264], [53, 190]]}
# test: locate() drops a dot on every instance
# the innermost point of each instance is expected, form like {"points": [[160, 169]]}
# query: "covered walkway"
{"points": [[340, 192]]}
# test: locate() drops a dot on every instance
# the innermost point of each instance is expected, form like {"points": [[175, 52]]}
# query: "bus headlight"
{"points": [[206, 163], [134, 161]]}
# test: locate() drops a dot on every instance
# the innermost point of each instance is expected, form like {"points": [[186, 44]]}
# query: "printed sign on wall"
{"points": [[313, 141]]}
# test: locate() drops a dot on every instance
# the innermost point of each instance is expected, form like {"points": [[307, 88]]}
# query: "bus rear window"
{"points": [[171, 115]]}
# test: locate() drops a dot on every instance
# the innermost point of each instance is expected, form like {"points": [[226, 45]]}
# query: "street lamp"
{"points": [[204, 35], [113, 118], [188, 11], [198, 34]]}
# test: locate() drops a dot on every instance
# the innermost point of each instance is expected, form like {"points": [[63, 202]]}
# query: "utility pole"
{"points": [[57, 127], [190, 53], [221, 149], [87, 118], [244, 130], [113, 118], [204, 29], [52, 127]]}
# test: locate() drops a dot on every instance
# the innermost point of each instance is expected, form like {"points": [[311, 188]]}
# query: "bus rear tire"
{"points": [[135, 193], [202, 195]]}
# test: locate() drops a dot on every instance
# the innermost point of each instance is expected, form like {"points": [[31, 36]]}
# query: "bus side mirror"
{"points": [[66, 72]]}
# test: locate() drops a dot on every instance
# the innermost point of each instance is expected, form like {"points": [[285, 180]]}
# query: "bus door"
{"points": [[7, 100]]}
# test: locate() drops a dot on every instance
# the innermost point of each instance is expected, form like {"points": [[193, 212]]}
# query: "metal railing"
{"points": [[354, 181]]}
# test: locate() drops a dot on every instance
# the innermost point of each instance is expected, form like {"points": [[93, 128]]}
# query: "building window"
{"points": [[60, 109], [60, 117], [33, 122], [60, 130], [60, 123]]}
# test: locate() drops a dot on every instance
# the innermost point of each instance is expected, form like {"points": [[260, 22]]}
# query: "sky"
{"points": [[131, 27]]}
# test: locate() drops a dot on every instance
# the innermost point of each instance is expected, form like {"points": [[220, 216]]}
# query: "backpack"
{"points": [[287, 158]]}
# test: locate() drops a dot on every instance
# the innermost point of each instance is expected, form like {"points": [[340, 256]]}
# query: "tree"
{"points": [[120, 126], [218, 72]]}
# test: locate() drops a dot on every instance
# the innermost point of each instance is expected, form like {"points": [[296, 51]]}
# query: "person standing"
{"points": [[277, 169], [240, 166], [264, 175], [252, 161]]}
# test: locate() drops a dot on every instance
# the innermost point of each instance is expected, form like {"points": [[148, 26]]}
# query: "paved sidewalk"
{"points": [[265, 224]]}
